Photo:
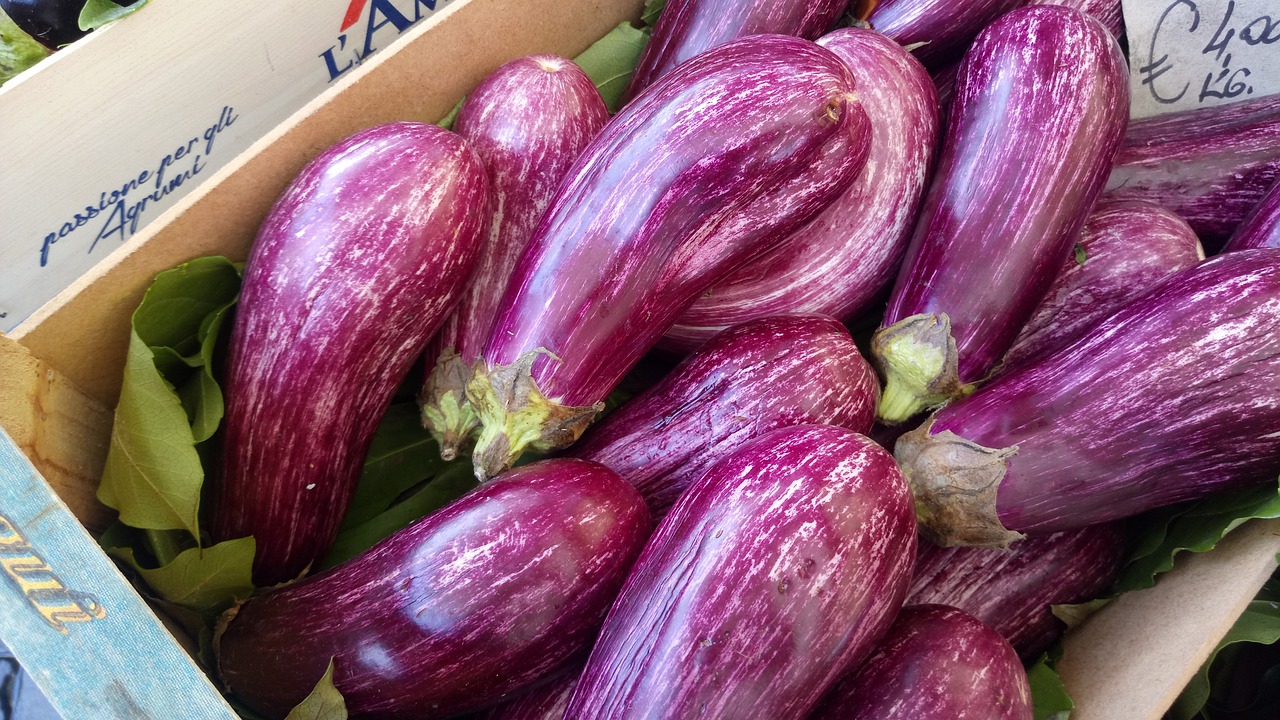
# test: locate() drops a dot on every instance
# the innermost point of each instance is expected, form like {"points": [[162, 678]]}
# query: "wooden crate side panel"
{"points": [[83, 332]]}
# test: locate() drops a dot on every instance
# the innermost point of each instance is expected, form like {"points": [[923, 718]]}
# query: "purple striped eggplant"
{"points": [[352, 271], [936, 663], [1261, 227], [938, 30], [687, 28], [708, 168], [844, 259], [748, 380], [455, 613], [1126, 247], [1012, 590], [528, 121], [548, 702], [772, 577], [1174, 397], [1210, 165], [1041, 104]]}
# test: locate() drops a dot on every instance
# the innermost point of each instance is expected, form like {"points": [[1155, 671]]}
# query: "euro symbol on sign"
{"points": [[1157, 67]]}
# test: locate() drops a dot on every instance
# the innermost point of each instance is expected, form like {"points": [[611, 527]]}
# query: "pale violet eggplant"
{"points": [[938, 31], [1209, 165], [548, 702], [1014, 590], [1041, 104], [709, 167], [936, 663], [769, 580], [844, 260], [456, 613], [1126, 247], [1261, 227], [350, 275], [691, 27], [1174, 397], [746, 381], [528, 121]]}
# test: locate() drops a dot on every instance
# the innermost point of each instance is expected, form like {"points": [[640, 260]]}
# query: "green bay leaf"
{"points": [[611, 61], [204, 580], [324, 702], [1049, 698]]}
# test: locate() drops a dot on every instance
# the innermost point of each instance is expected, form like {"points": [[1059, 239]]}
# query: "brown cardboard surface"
{"points": [[62, 430], [84, 330], [1130, 660]]}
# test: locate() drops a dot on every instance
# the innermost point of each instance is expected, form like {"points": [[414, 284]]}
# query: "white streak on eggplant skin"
{"points": [[1129, 246], [691, 27], [1261, 227], [456, 613], [1041, 105], [1108, 12], [1174, 397], [1012, 590], [351, 273], [710, 166], [748, 380], [935, 663], [1210, 165], [768, 580], [946, 26], [845, 258], [548, 702]]}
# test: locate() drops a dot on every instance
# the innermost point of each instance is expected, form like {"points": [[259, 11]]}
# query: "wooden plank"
{"points": [[74, 622], [83, 332], [60, 428]]}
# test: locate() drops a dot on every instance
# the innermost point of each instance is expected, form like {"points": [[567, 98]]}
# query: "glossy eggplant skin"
{"points": [[844, 260], [772, 577], [529, 120], [1041, 105], [53, 22], [1126, 247], [712, 165], [1261, 227], [748, 380], [350, 275], [548, 702], [1013, 590], [942, 28], [691, 27], [1210, 165], [455, 613], [936, 663], [1174, 397]]}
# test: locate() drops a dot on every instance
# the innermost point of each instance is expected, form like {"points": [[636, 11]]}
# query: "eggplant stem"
{"points": [[917, 357]]}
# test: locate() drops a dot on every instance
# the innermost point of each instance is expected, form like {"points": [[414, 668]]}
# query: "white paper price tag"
{"points": [[1185, 54]]}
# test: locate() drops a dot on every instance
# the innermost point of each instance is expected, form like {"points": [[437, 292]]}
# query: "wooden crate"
{"points": [[1126, 663]]}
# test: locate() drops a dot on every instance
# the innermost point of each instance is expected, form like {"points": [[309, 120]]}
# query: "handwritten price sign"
{"points": [[1185, 54]]}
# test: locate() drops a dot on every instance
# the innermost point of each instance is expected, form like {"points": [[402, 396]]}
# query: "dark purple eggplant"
{"points": [[53, 23], [938, 30], [1041, 105], [711, 166], [1013, 590], [1108, 12], [772, 577], [1261, 227], [455, 613], [844, 260], [936, 663], [1209, 165], [528, 121], [687, 28], [548, 702], [351, 273], [1174, 397], [1126, 247], [745, 382]]}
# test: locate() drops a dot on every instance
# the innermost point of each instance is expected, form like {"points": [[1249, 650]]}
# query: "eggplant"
{"points": [[936, 663], [528, 121], [748, 380], [351, 273], [938, 30], [1261, 227], [1209, 165], [1041, 105], [1126, 247], [1108, 12], [1013, 590], [772, 577], [548, 702], [455, 613], [843, 261], [1174, 397], [709, 167], [53, 23], [687, 28]]}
